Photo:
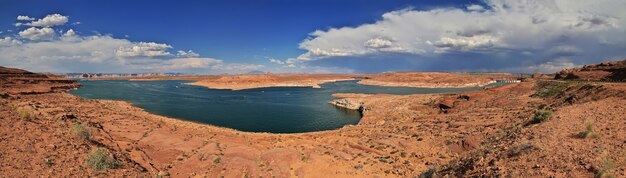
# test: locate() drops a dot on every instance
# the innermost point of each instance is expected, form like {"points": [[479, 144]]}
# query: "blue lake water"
{"points": [[275, 109]]}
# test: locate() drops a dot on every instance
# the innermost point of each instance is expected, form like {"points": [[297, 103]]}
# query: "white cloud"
{"points": [[100, 53], [552, 66], [189, 53], [144, 49], [23, 17], [71, 52], [276, 61], [34, 33], [49, 21], [69, 33], [465, 43], [475, 7], [378, 43], [190, 63], [8, 41], [500, 28], [91, 49]]}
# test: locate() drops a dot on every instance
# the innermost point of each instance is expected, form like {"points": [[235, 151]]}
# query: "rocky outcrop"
{"points": [[540, 75], [614, 71], [17, 81], [348, 104]]}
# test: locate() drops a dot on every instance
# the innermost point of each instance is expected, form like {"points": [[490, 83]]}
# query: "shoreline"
{"points": [[425, 85], [314, 84], [399, 79]]}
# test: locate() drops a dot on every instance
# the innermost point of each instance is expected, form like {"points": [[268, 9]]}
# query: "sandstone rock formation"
{"points": [[17, 81], [240, 82], [606, 71], [434, 79]]}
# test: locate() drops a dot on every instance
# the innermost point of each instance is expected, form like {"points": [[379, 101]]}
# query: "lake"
{"points": [[275, 109]]}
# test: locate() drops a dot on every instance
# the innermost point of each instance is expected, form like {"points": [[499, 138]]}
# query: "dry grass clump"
{"points": [[100, 160], [606, 165], [24, 113], [81, 131], [588, 132]]}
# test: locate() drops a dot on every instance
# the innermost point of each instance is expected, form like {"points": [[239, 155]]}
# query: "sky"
{"points": [[297, 36]]}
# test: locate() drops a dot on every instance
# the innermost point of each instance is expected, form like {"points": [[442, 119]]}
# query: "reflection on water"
{"points": [[276, 109]]}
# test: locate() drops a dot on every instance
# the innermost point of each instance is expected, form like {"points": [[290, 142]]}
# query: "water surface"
{"points": [[275, 109]]}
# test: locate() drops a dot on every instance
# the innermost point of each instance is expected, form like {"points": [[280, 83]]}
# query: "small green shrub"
{"points": [[99, 160], [542, 115], [81, 131], [24, 113]]}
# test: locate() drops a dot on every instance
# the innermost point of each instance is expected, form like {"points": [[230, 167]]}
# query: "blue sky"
{"points": [[310, 36]]}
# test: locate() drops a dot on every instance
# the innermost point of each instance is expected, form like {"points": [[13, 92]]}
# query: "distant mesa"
{"points": [[18, 81], [256, 72], [117, 75], [612, 71]]}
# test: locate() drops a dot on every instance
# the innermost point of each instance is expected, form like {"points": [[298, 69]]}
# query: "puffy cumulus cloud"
{"points": [[91, 49], [463, 43], [69, 33], [34, 33], [100, 53], [8, 41], [41, 50], [523, 33], [49, 21], [24, 17], [144, 49], [189, 53]]}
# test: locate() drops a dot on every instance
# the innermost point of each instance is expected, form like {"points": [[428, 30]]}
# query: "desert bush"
{"points": [[588, 132], [100, 160], [81, 131], [542, 115], [607, 164], [24, 113]]}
